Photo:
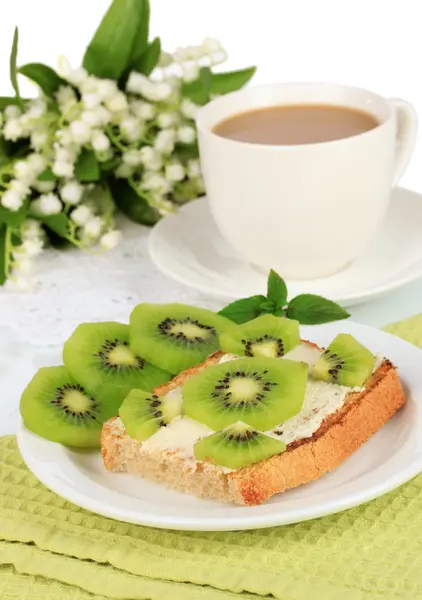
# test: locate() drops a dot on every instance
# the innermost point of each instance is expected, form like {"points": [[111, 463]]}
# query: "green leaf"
{"points": [[134, 207], [2, 254], [141, 40], [118, 39], [45, 77], [47, 175], [268, 306], [230, 81], [309, 309], [276, 289], [13, 218], [199, 90], [87, 167], [13, 68], [241, 311], [149, 59], [57, 223]]}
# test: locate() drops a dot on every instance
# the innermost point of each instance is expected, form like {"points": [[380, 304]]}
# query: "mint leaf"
{"points": [[243, 310], [276, 289], [45, 77], [87, 167], [310, 309], [120, 38], [13, 68], [268, 306], [223, 83]]}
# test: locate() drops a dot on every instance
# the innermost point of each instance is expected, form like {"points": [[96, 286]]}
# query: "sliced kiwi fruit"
{"points": [[261, 392], [99, 357], [237, 446], [266, 335], [143, 414], [345, 362], [55, 406], [175, 336]]}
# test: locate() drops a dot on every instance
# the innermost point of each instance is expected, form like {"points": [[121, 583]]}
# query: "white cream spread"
{"points": [[321, 400]]}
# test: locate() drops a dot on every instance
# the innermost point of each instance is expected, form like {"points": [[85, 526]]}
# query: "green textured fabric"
{"points": [[52, 550]]}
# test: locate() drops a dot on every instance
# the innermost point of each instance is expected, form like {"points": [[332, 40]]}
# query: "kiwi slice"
{"points": [[99, 357], [266, 335], [143, 414], [237, 446], [261, 392], [175, 336], [55, 406], [345, 362]]}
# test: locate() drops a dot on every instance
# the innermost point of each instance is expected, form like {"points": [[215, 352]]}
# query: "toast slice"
{"points": [[339, 435]]}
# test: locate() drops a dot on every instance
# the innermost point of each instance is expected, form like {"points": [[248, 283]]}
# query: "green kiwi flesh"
{"points": [[345, 362], [144, 414], [55, 406], [99, 357], [266, 335], [261, 392], [175, 336], [237, 446]]}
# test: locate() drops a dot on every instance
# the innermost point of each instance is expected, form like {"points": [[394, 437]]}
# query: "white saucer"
{"points": [[391, 457], [188, 247]]}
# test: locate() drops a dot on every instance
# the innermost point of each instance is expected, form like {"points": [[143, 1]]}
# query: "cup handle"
{"points": [[407, 125]]}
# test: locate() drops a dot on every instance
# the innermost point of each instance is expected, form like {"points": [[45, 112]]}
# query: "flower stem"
{"points": [[115, 140]]}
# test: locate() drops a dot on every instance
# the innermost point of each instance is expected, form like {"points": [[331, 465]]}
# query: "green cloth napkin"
{"points": [[52, 550]]}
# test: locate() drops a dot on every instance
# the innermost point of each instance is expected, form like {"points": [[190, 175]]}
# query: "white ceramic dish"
{"points": [[390, 458], [188, 247]]}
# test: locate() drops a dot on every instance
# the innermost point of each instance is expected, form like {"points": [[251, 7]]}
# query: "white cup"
{"points": [[304, 210]]}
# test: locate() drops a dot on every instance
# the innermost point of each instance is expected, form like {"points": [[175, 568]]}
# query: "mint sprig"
{"points": [[308, 309]]}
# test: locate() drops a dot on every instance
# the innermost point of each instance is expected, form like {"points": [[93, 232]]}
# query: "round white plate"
{"points": [[188, 247], [390, 458]]}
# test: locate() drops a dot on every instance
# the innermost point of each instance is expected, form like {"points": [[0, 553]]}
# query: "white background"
{"points": [[376, 44]]}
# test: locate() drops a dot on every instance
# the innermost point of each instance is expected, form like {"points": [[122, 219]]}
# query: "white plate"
{"points": [[390, 458], [188, 247]]}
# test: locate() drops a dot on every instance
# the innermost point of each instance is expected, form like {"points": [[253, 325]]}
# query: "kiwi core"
{"points": [[266, 345], [116, 355], [187, 330], [75, 402], [240, 388], [122, 355]]}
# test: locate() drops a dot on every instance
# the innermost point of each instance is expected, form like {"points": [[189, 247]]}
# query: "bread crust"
{"points": [[339, 435]]}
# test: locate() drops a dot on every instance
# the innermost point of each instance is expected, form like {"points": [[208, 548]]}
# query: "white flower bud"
{"points": [[20, 187], [39, 138], [81, 215], [31, 247], [165, 140], [143, 110], [136, 82], [66, 98], [218, 58], [77, 76], [156, 182], [24, 171], [166, 120], [81, 133], [37, 163], [106, 89], [131, 128], [189, 109], [72, 192], [124, 171], [47, 204], [151, 158], [165, 60], [44, 186], [211, 45], [31, 229], [11, 200], [190, 72], [175, 172], [186, 134], [93, 227], [13, 130], [110, 239], [12, 112], [133, 158], [91, 100], [36, 109], [64, 136], [194, 169], [100, 141], [179, 55], [117, 103], [61, 168]]}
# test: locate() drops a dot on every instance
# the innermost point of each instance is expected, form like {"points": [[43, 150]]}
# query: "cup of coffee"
{"points": [[299, 175]]}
